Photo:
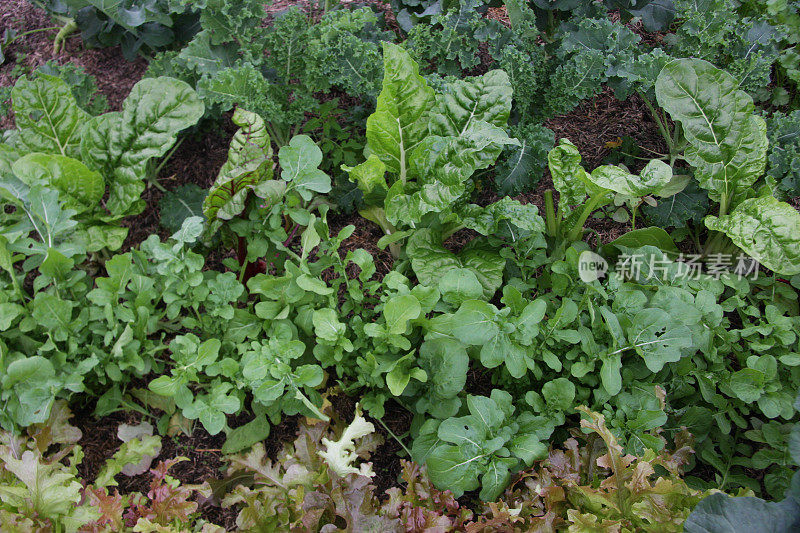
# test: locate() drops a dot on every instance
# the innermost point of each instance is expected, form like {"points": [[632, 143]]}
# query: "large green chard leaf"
{"points": [[80, 189], [249, 163], [400, 120], [727, 142], [121, 144], [766, 229], [48, 118], [484, 98]]}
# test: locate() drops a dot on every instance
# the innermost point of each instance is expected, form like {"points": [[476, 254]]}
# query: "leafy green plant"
{"points": [[60, 147], [581, 193], [783, 168], [38, 490], [727, 146], [138, 27], [431, 145], [483, 448]]}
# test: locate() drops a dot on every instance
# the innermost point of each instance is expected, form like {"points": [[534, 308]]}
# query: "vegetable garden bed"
{"points": [[418, 266]]}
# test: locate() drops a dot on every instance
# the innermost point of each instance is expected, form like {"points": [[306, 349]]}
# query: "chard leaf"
{"points": [[121, 144], [766, 229], [727, 142], [569, 177], [370, 178], [430, 261], [400, 120], [249, 163], [80, 189], [484, 98], [47, 115], [654, 177]]}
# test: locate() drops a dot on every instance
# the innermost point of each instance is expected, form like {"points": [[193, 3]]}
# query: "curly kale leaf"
{"points": [[783, 157]]}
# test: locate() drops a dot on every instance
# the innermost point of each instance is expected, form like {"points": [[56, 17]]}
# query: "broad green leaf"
{"points": [[398, 311], [655, 176], [370, 176], [299, 161], [720, 512], [458, 285], [494, 480], [747, 384], [245, 436], [484, 98], [449, 467], [658, 338], [121, 144], [179, 204], [430, 261], [652, 236], [400, 120], [727, 142], [327, 325], [47, 116], [766, 229], [475, 322], [569, 177], [446, 362], [80, 188]]}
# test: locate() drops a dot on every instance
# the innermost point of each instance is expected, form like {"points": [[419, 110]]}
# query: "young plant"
{"points": [[582, 193]]}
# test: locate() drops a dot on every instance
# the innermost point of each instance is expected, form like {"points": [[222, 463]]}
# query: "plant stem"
{"points": [[550, 213], [662, 127], [21, 35], [577, 230], [395, 437]]}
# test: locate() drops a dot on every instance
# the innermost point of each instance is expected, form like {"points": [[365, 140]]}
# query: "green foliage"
{"points": [[63, 150], [783, 167], [140, 26], [727, 146], [482, 448], [82, 85]]}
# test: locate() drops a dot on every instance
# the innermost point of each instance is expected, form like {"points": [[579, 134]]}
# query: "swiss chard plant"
{"points": [[424, 151], [726, 144], [98, 166]]}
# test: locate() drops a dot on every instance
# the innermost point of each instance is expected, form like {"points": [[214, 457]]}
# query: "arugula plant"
{"points": [[98, 165], [726, 144]]}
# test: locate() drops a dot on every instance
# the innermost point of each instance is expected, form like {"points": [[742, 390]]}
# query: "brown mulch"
{"points": [[115, 76]]}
